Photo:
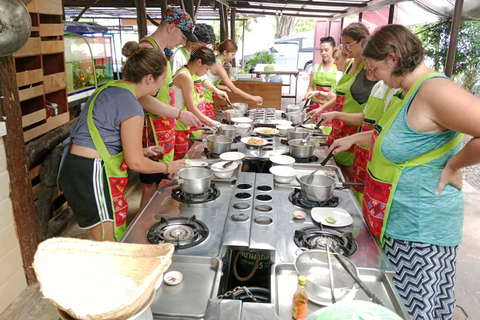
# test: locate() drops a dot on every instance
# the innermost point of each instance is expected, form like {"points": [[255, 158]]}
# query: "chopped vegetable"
{"points": [[188, 163], [330, 219]]}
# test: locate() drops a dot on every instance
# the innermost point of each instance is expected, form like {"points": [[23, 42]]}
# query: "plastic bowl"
{"points": [[282, 160], [222, 173], [243, 128], [283, 174]]}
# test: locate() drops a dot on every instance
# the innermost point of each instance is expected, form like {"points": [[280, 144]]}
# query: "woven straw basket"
{"points": [[71, 271]]}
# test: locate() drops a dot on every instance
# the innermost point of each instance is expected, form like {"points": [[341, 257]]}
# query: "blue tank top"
{"points": [[416, 213]]}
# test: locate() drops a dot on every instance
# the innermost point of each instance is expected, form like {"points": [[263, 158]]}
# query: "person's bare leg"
{"points": [[97, 232], [147, 192]]}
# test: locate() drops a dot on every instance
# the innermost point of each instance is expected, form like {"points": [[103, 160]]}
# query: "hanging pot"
{"points": [[16, 26]]}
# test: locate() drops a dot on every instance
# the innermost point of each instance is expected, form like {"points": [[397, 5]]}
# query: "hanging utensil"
{"points": [[318, 124], [324, 162], [355, 277], [331, 274], [227, 164]]}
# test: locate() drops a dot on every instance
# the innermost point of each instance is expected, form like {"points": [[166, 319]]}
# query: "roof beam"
{"points": [[373, 5], [271, 13], [306, 3], [246, 6]]}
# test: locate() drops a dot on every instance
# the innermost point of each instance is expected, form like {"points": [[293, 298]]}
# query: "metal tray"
{"points": [[284, 280], [305, 169], [189, 298]]}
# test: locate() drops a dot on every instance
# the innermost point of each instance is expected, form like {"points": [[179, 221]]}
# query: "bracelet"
{"points": [[178, 117], [166, 166]]}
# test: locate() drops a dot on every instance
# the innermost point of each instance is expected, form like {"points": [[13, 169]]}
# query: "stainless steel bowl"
{"points": [[218, 144], [300, 150]]}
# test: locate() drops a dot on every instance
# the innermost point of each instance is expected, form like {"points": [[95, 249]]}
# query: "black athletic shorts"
{"points": [[149, 178], [85, 186]]}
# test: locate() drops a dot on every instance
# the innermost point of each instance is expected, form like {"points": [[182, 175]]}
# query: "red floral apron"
{"points": [[382, 175]]}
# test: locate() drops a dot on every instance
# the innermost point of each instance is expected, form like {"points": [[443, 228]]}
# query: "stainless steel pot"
{"points": [[296, 117], [301, 150], [218, 144], [227, 130], [193, 180], [232, 113], [297, 133], [321, 188], [16, 26], [293, 108], [241, 107], [313, 264]]}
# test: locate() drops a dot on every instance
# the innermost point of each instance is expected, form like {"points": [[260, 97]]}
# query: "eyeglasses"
{"points": [[348, 44]]}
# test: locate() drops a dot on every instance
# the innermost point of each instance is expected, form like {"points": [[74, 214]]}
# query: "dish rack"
{"points": [[263, 117]]}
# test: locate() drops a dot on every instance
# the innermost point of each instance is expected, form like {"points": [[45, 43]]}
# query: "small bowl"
{"points": [[299, 214], [241, 120], [222, 173], [243, 128], [283, 174], [237, 157], [282, 160], [173, 278], [283, 123], [282, 128]]}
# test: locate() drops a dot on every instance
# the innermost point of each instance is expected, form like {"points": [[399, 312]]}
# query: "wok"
{"points": [[321, 188]]}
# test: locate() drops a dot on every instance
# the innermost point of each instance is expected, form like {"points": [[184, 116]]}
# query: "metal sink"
{"points": [[284, 280]]}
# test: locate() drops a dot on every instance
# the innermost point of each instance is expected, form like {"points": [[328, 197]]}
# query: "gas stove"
{"points": [[193, 223], [311, 235], [299, 200]]}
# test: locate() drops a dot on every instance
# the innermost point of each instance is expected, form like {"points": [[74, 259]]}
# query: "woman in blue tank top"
{"points": [[413, 202]]}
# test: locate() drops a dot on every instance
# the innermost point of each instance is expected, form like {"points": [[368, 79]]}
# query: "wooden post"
{"points": [[457, 17], [189, 8], [20, 185], [223, 10], [141, 18], [391, 13], [232, 24], [163, 6]]}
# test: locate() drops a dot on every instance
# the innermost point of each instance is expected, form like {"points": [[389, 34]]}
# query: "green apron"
{"points": [[345, 103], [373, 113], [114, 166], [382, 175], [199, 102], [160, 131], [182, 132], [324, 82]]}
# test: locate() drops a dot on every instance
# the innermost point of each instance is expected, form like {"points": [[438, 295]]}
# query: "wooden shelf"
{"points": [[34, 117], [28, 77], [50, 6], [52, 46], [32, 6], [31, 92], [55, 82], [32, 47], [47, 29]]}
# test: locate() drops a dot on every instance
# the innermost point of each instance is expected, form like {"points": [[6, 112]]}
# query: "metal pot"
{"points": [[241, 107], [293, 108], [232, 113], [296, 117], [313, 264], [227, 130], [193, 180], [16, 26], [297, 133], [218, 144], [301, 150], [322, 187]]}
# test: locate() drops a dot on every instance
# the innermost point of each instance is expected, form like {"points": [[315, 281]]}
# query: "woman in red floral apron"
{"points": [[217, 73], [352, 93], [105, 140], [412, 200], [323, 80], [190, 97]]}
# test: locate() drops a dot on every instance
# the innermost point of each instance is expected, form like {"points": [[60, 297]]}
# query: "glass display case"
{"points": [[88, 60]]}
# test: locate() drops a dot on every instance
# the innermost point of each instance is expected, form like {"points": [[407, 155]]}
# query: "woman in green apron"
{"points": [[352, 92], [217, 73], [412, 201], [189, 96], [323, 80], [106, 140]]}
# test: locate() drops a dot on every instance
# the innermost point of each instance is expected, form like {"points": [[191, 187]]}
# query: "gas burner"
{"points": [[181, 232], [210, 195], [297, 198], [317, 238], [311, 159]]}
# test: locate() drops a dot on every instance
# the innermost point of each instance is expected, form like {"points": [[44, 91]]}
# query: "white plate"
{"points": [[232, 156], [341, 215], [272, 130], [245, 140], [193, 163]]}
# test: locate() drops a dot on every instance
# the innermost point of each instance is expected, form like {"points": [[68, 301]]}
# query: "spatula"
{"points": [[311, 176]]}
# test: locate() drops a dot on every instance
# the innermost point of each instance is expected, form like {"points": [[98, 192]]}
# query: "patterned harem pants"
{"points": [[425, 277]]}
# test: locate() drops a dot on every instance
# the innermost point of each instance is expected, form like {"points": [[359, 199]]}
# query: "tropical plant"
{"points": [[436, 39], [263, 57], [285, 26], [305, 25]]}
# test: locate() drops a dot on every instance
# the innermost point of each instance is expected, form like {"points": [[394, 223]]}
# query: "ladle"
{"points": [[331, 273]]}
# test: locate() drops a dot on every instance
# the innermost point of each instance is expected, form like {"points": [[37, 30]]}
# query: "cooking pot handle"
{"points": [[197, 139], [300, 249], [349, 184], [172, 183]]}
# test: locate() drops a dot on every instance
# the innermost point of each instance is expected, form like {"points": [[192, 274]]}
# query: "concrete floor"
{"points": [[31, 305]]}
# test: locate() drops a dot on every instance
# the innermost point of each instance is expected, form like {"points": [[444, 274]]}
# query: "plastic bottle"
{"points": [[300, 300]]}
